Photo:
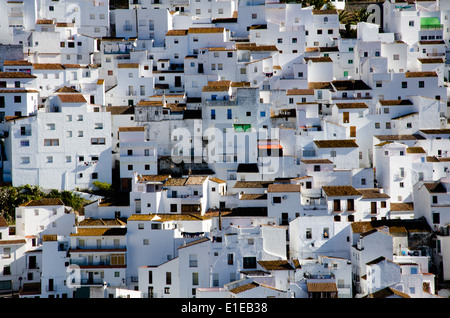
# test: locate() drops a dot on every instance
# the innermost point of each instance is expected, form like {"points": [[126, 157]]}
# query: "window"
{"points": [[249, 262], [254, 16], [308, 233], [350, 205], [193, 262], [173, 208], [213, 114], [436, 218], [51, 142], [194, 279], [98, 141], [24, 143], [276, 199], [421, 84], [17, 99], [168, 278], [230, 259], [404, 84]]}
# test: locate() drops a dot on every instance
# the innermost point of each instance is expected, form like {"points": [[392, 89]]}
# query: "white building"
{"points": [[66, 146]]}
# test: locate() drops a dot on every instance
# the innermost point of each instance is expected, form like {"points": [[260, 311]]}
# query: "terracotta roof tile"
{"points": [[276, 265], [206, 30], [16, 75], [351, 105], [72, 98], [44, 202], [283, 188], [341, 143], [340, 191], [420, 74], [316, 287], [244, 288], [48, 66]]}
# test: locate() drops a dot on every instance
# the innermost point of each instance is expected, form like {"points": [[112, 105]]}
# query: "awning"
{"points": [[276, 146]]}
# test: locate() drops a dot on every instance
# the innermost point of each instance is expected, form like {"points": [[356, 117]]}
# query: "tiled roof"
{"points": [[316, 161], [415, 150], [326, 11], [340, 191], [16, 75], [150, 103], [373, 193], [396, 102], [244, 288], [317, 287], [14, 241], [206, 30], [276, 265], [128, 65], [66, 89], [101, 222], [72, 98], [300, 92], [255, 47], [44, 202], [394, 225], [341, 143], [217, 180], [165, 217], [350, 85], [176, 182], [251, 196], [196, 180], [320, 85], [202, 240], [16, 63], [176, 32], [326, 59], [421, 74], [351, 105], [408, 206], [252, 184], [443, 131], [431, 60], [153, 178], [131, 129], [112, 231], [435, 187], [283, 188], [387, 292], [48, 66]]}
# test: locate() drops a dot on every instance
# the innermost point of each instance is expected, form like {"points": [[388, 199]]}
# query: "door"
{"points": [[346, 117], [352, 131], [177, 81], [373, 208], [32, 262], [91, 278], [200, 68]]}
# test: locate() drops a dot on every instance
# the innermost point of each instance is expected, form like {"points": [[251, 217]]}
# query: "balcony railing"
{"points": [[432, 27]]}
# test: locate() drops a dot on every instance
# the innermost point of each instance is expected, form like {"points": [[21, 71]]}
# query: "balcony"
{"points": [[216, 103]]}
